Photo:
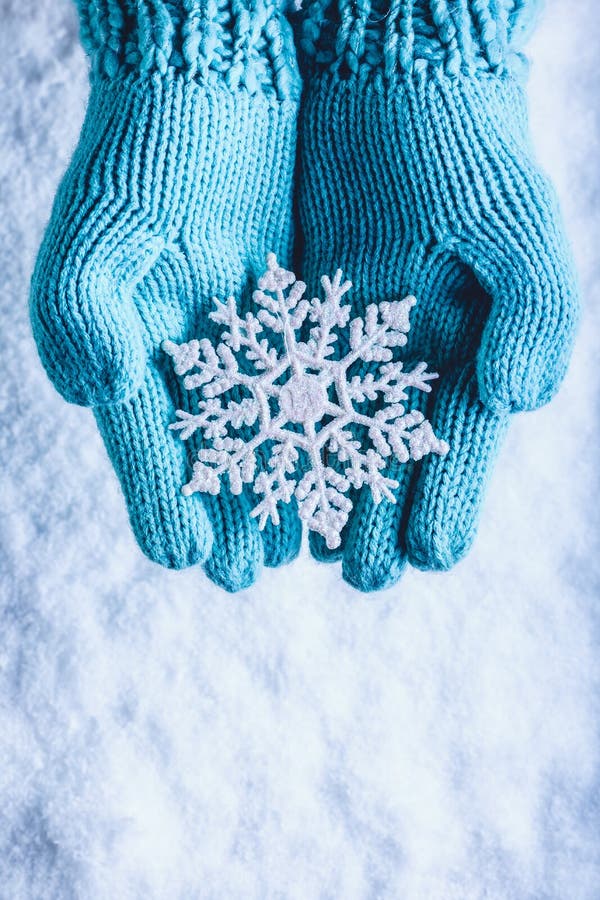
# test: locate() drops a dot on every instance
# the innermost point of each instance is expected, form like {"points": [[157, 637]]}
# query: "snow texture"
{"points": [[303, 404], [162, 740]]}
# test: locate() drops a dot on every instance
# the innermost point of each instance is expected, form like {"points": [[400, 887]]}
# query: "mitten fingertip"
{"points": [[521, 383], [89, 372], [433, 551]]}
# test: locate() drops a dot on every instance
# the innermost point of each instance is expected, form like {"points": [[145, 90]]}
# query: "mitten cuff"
{"points": [[414, 36], [244, 43]]}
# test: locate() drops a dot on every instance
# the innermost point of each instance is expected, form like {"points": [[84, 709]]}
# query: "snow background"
{"points": [[161, 739]]}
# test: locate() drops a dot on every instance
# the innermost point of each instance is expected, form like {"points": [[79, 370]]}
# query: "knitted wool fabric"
{"points": [[417, 176], [179, 187]]}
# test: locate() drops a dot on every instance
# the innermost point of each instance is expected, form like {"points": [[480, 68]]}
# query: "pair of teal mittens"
{"points": [[386, 138]]}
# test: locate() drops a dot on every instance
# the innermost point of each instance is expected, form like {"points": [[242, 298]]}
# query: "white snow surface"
{"points": [[162, 740]]}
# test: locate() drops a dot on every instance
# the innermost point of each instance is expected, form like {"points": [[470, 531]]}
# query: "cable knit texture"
{"points": [[235, 42], [417, 176], [415, 36], [179, 187]]}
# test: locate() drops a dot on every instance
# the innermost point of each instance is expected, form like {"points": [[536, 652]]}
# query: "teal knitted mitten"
{"points": [[417, 177], [179, 187]]}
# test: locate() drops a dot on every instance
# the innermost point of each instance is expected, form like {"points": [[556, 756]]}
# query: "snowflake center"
{"points": [[303, 398]]}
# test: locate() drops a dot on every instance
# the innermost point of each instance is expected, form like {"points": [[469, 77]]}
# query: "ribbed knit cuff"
{"points": [[414, 36], [243, 43]]}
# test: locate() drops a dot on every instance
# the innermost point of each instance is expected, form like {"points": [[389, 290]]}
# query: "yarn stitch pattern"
{"points": [[179, 186], [417, 176]]}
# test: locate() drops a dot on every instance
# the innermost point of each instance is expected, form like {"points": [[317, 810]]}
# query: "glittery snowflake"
{"points": [[264, 392]]}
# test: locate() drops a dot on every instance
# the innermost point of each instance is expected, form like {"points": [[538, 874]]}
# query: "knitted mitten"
{"points": [[178, 189], [417, 177]]}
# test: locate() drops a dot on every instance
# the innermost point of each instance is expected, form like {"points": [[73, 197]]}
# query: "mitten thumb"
{"points": [[85, 322], [520, 256]]}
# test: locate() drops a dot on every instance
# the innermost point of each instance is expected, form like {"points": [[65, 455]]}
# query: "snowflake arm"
{"points": [[383, 328], [274, 485], [327, 315]]}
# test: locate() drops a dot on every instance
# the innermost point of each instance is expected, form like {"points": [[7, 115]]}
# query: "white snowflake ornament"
{"points": [[300, 405]]}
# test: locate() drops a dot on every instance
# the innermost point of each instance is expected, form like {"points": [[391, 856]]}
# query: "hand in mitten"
{"points": [[178, 189], [417, 177]]}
